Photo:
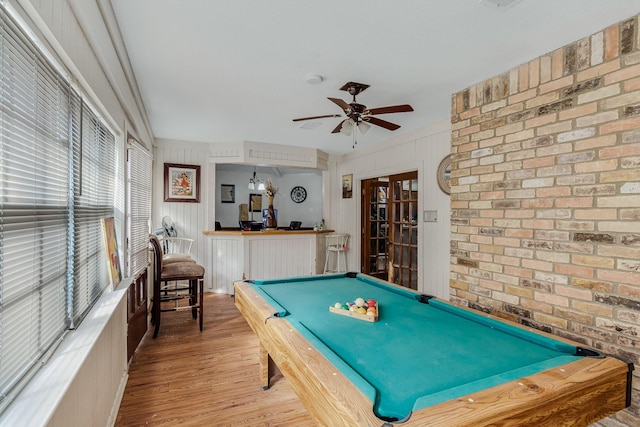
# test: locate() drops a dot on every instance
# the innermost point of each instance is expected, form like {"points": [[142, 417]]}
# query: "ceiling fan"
{"points": [[358, 115]]}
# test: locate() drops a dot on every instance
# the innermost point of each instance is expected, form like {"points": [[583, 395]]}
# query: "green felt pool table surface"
{"points": [[422, 351]]}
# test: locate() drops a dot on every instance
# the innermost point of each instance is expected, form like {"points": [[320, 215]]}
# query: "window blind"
{"points": [[93, 184], [34, 214], [57, 172], [139, 164]]}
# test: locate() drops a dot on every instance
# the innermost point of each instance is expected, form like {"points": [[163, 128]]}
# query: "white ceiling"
{"points": [[233, 70]]}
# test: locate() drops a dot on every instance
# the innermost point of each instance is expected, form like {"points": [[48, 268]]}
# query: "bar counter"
{"points": [[267, 254], [279, 231]]}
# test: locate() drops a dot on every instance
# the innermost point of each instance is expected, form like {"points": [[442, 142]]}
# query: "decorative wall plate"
{"points": [[298, 194]]}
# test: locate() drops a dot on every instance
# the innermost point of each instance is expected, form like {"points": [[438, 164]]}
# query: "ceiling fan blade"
{"points": [[382, 123], [405, 108], [316, 117], [340, 103], [337, 129]]}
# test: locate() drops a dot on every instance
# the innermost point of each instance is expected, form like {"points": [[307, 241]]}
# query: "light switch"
{"points": [[430, 216]]}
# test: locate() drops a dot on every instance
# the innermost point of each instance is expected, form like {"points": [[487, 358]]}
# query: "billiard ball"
{"points": [[359, 302]]}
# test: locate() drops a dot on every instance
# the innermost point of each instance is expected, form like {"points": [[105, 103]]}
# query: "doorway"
{"points": [[390, 228], [375, 225]]}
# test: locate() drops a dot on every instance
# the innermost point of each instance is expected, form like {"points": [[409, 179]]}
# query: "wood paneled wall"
{"points": [[419, 151]]}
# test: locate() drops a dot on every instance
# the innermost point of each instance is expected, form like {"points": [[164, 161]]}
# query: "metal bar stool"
{"points": [[175, 272], [336, 249]]}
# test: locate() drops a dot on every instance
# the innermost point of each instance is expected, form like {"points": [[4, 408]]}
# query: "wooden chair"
{"points": [[176, 247], [168, 285]]}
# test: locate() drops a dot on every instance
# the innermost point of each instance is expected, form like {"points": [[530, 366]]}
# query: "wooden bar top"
{"points": [[263, 232]]}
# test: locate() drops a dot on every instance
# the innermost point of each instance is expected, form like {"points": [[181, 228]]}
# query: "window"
{"points": [[93, 193], [139, 163], [57, 170]]}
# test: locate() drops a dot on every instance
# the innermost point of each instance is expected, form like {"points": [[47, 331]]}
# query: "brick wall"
{"points": [[545, 195]]}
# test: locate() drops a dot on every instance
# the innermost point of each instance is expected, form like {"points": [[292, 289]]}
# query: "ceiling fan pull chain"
{"points": [[355, 131]]}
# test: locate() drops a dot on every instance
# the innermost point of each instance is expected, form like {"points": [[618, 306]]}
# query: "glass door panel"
{"points": [[404, 226], [375, 202]]}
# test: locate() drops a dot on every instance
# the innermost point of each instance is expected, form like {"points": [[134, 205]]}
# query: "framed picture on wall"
{"points": [[181, 183], [347, 186], [255, 202], [227, 193]]}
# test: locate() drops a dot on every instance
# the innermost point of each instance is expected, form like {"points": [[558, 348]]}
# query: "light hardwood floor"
{"points": [[185, 377]]}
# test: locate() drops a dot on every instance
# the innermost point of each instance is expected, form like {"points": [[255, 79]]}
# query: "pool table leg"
{"points": [[267, 367]]}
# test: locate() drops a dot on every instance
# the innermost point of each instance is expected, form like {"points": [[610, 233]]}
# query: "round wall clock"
{"points": [[298, 194], [444, 175]]}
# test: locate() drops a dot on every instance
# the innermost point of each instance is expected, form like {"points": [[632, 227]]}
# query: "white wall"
{"points": [[421, 151], [190, 218]]}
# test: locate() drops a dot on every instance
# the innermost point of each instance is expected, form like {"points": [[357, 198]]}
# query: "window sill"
{"points": [[83, 368]]}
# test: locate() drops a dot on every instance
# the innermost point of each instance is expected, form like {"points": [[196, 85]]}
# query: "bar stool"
{"points": [[175, 271], [337, 251]]}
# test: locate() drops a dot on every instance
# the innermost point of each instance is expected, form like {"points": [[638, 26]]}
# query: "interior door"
{"points": [[375, 226], [403, 251]]}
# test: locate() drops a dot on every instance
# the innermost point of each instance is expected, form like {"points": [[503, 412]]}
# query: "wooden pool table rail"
{"points": [[576, 394]]}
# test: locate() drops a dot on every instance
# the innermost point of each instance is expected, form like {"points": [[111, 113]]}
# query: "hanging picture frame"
{"points": [[181, 183], [347, 186], [227, 193]]}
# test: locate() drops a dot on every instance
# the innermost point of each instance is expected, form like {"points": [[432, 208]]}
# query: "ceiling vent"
{"points": [[500, 4], [310, 125]]}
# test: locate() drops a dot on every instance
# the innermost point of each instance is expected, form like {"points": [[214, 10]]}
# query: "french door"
{"points": [[375, 227], [390, 228], [403, 237]]}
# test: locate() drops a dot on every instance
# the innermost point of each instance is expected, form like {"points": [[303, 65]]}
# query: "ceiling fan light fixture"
{"points": [[363, 127], [347, 127]]}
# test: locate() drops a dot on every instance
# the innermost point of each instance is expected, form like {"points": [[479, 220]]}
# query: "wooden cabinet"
{"points": [[136, 312]]}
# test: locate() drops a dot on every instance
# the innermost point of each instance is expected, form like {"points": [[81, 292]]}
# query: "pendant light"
{"points": [[254, 182]]}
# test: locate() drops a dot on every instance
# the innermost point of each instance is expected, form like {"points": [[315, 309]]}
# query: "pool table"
{"points": [[424, 362]]}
